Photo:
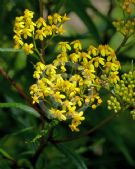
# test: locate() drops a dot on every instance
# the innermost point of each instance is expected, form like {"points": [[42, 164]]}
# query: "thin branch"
{"points": [[38, 152], [14, 164], [13, 161], [21, 93], [15, 85], [97, 127], [111, 6], [40, 149]]}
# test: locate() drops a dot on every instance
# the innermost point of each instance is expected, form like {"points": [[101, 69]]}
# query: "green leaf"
{"points": [[5, 154], [10, 50], [26, 163], [123, 148], [72, 156], [21, 58], [21, 106], [22, 131]]}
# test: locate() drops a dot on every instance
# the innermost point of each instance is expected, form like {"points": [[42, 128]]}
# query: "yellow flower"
{"points": [[92, 51], [50, 70], [40, 22], [19, 25], [113, 77], [59, 30], [77, 45], [61, 59], [40, 34], [47, 31], [97, 61], [57, 18], [77, 118], [74, 57], [50, 19], [59, 114], [63, 69], [94, 106], [19, 19], [64, 46], [40, 67], [77, 100], [58, 96], [99, 101], [36, 93], [28, 48], [73, 127], [18, 40], [66, 103], [26, 33], [65, 18], [85, 55], [89, 72], [71, 110], [28, 14], [111, 66]]}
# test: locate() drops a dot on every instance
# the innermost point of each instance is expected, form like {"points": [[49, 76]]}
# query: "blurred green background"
{"points": [[111, 147]]}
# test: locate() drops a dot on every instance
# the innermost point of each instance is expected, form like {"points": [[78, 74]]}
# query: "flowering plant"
{"points": [[66, 86], [67, 92]]}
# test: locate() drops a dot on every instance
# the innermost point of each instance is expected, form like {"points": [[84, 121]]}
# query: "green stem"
{"points": [[37, 51], [122, 44], [40, 149], [41, 8]]}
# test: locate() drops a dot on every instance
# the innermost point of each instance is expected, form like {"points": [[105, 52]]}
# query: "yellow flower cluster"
{"points": [[27, 31], [124, 90], [125, 27], [128, 6], [73, 80], [114, 104]]}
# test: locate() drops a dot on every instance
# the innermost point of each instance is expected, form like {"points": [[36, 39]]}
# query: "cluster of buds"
{"points": [[124, 91], [125, 88], [125, 27], [128, 6], [114, 104]]}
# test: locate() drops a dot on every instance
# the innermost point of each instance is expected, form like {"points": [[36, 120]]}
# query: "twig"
{"points": [[16, 86], [40, 149], [22, 93], [14, 163], [38, 152], [101, 124], [110, 8]]}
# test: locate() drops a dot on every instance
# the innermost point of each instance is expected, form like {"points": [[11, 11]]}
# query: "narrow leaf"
{"points": [[10, 50], [72, 156], [5, 154], [21, 106]]}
